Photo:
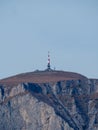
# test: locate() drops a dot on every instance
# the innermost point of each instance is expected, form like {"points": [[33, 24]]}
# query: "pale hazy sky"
{"points": [[66, 28]]}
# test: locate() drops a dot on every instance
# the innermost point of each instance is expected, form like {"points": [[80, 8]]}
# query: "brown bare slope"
{"points": [[41, 77]]}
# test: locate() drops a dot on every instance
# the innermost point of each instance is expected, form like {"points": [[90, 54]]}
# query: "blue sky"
{"points": [[66, 28]]}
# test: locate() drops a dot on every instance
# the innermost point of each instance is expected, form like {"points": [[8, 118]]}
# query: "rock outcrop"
{"points": [[70, 103]]}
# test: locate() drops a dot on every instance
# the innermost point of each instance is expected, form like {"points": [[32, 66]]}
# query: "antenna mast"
{"points": [[48, 65]]}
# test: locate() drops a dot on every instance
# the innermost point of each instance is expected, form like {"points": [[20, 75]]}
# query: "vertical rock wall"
{"points": [[63, 105]]}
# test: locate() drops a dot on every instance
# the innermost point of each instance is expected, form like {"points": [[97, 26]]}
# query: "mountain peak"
{"points": [[42, 77]]}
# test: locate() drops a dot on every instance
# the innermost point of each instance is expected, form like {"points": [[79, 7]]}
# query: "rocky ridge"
{"points": [[49, 101]]}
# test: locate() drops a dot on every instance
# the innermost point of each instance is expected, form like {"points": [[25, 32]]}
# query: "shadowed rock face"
{"points": [[70, 103]]}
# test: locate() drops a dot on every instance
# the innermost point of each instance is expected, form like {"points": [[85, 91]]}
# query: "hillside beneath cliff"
{"points": [[48, 100]]}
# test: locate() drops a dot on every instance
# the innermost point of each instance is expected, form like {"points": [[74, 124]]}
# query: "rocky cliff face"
{"points": [[57, 105]]}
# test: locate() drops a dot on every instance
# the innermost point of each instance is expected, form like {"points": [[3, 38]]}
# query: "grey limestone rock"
{"points": [[63, 105]]}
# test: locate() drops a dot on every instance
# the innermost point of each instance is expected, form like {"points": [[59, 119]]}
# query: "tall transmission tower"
{"points": [[48, 65]]}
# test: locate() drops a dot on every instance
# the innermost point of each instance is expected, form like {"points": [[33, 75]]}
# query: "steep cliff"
{"points": [[49, 101]]}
